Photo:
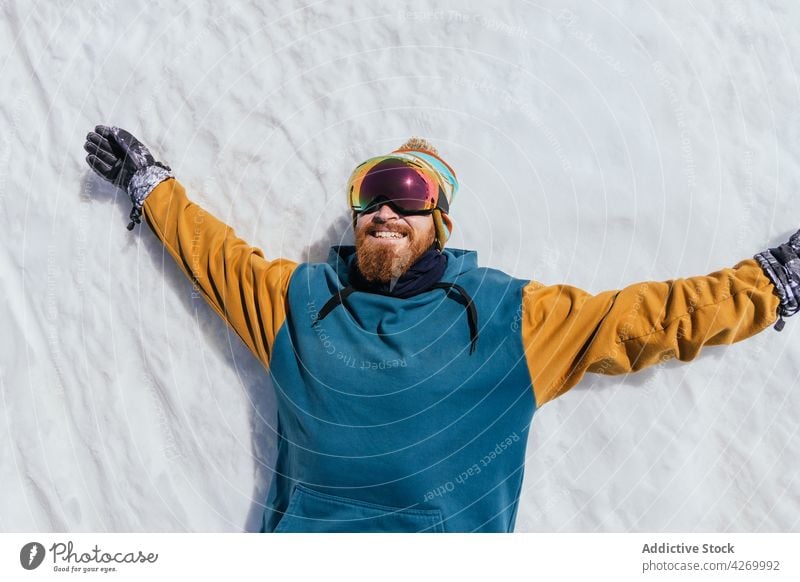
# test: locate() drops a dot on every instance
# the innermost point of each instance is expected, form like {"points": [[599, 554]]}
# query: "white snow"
{"points": [[596, 144]]}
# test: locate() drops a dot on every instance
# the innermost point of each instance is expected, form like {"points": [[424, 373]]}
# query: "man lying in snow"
{"points": [[430, 434]]}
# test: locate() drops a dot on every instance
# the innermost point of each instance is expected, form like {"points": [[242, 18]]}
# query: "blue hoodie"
{"points": [[385, 420]]}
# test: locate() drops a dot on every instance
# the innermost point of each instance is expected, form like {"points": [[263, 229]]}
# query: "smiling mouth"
{"points": [[387, 235]]}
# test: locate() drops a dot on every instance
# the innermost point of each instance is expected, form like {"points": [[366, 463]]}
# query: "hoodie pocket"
{"points": [[312, 511]]}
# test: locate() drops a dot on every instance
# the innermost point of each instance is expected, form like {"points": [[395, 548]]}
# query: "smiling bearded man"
{"points": [[389, 240], [391, 415]]}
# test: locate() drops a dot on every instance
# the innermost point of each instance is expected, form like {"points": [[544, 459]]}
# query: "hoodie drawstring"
{"points": [[339, 297], [472, 313], [331, 303]]}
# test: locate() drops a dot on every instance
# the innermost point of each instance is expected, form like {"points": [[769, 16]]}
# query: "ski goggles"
{"points": [[413, 183]]}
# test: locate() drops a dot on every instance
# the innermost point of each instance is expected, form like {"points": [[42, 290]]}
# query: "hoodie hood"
{"points": [[459, 262]]}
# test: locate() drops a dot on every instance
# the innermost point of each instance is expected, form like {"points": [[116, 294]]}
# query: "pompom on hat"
{"points": [[424, 152]]}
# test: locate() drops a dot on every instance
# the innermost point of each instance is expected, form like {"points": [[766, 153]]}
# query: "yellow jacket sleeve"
{"points": [[567, 332], [245, 289]]}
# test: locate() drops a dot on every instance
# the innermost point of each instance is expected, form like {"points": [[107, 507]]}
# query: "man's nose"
{"points": [[385, 212]]}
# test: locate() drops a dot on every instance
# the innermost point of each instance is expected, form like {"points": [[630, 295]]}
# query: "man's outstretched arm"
{"points": [[567, 332], [245, 289]]}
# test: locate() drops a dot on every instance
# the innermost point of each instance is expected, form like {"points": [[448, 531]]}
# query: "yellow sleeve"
{"points": [[567, 332], [245, 289]]}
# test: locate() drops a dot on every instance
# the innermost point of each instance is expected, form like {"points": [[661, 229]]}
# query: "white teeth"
{"points": [[385, 234]]}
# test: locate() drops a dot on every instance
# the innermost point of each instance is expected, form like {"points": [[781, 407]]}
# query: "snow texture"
{"points": [[596, 144]]}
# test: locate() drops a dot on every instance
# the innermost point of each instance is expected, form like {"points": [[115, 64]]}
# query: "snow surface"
{"points": [[596, 144]]}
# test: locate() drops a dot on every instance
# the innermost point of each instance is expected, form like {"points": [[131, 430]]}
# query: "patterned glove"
{"points": [[782, 266], [124, 161]]}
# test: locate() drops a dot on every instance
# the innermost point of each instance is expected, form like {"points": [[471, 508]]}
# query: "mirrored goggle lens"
{"points": [[408, 185]]}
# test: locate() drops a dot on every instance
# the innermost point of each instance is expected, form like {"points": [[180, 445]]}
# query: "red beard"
{"points": [[382, 262]]}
